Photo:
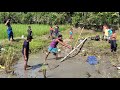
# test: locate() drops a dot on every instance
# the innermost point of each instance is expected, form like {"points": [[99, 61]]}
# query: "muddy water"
{"points": [[76, 67]]}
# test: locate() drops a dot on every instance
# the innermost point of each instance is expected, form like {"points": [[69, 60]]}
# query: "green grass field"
{"points": [[12, 51], [21, 29]]}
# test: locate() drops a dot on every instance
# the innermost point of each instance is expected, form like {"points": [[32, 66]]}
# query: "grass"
{"points": [[13, 50], [99, 49], [21, 29]]}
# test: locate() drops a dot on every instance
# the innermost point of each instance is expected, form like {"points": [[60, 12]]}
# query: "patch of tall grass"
{"points": [[21, 29], [13, 50]]}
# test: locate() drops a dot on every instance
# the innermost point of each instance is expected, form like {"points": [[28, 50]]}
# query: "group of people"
{"points": [[54, 32], [25, 48], [109, 35]]}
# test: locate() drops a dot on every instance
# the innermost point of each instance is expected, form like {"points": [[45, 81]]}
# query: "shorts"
{"points": [[70, 36], [51, 32], [52, 50], [106, 37], [56, 34]]}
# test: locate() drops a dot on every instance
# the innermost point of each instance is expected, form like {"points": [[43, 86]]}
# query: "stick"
{"points": [[73, 50], [79, 36]]}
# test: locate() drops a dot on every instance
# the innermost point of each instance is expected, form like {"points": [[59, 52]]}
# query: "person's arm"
{"points": [[114, 36], [64, 44], [25, 51], [6, 22], [25, 54]]}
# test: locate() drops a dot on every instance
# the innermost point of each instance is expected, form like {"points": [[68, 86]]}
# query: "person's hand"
{"points": [[8, 20], [69, 47], [25, 58]]}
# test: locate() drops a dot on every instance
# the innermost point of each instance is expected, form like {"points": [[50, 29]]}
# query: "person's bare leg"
{"points": [[46, 56], [44, 73], [25, 65], [56, 56]]}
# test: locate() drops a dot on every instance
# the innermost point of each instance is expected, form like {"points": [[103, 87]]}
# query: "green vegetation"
{"points": [[13, 50], [61, 17], [40, 23], [21, 29]]}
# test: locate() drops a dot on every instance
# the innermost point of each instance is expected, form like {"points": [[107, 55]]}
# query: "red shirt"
{"points": [[51, 28]]}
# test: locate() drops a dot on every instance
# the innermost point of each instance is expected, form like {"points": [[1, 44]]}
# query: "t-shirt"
{"points": [[29, 32], [54, 43], [56, 30], [51, 28], [9, 29], [25, 45], [110, 32], [71, 33], [106, 32]]}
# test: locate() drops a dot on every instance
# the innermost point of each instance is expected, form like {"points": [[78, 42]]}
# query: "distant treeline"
{"points": [[52, 18]]}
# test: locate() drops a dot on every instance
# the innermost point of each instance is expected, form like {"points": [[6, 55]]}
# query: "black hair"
{"points": [[29, 37], [29, 26], [59, 36], [113, 30]]}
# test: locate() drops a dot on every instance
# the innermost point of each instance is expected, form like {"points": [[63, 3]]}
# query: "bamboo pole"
{"points": [[79, 37], [73, 50]]}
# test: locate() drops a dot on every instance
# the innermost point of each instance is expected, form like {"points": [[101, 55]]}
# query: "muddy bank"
{"points": [[75, 67]]}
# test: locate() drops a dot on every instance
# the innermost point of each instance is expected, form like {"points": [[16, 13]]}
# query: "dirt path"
{"points": [[75, 67]]}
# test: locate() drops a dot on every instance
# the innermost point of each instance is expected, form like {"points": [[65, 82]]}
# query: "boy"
{"points": [[25, 51], [56, 31], [51, 32], [113, 41], [29, 31], [9, 30], [105, 32], [71, 33], [109, 33], [53, 46]]}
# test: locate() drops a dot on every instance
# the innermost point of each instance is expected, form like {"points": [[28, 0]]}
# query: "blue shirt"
{"points": [[71, 33], [109, 32], [9, 30]]}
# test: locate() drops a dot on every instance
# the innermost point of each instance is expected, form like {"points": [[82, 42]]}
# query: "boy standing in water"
{"points": [[113, 41], [9, 30], [71, 34], [53, 46], [109, 33], [56, 31], [25, 51], [51, 32]]}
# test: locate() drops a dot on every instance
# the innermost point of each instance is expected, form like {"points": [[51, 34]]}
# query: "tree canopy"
{"points": [[61, 17]]}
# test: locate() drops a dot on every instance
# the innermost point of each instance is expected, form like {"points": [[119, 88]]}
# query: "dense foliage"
{"points": [[61, 17]]}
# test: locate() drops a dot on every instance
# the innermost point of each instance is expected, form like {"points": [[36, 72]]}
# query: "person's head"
{"points": [[113, 31], [60, 36], [29, 27], [29, 38], [105, 26], [57, 26]]}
